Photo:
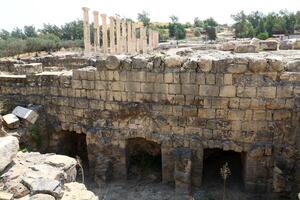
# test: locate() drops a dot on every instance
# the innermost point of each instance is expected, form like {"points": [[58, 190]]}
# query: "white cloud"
{"points": [[17, 13]]}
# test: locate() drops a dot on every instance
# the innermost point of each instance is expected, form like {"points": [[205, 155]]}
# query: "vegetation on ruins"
{"points": [[176, 29], [257, 24]]}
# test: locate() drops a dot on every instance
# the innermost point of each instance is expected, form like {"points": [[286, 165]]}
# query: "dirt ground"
{"points": [[153, 190]]}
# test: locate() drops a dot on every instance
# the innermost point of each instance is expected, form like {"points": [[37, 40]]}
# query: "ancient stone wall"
{"points": [[245, 104]]}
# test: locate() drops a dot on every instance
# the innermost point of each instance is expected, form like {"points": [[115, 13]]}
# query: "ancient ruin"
{"points": [[122, 36], [179, 113]]}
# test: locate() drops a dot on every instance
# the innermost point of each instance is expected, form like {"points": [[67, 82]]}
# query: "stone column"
{"points": [[144, 40], [124, 40], [96, 31], [112, 34], [150, 46], [129, 36], [118, 31], [104, 33], [138, 45], [133, 38], [86, 31]]}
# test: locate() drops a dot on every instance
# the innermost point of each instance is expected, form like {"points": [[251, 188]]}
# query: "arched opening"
{"points": [[143, 159], [70, 144], [213, 161]]}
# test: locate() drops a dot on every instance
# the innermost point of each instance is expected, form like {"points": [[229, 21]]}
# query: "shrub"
{"points": [[263, 36]]}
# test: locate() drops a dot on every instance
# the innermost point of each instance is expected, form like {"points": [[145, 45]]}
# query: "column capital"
{"points": [[103, 15], [95, 12], [86, 9], [111, 18]]}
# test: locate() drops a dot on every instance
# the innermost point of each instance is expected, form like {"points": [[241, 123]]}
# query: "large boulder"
{"points": [[268, 45], [245, 48], [9, 147]]}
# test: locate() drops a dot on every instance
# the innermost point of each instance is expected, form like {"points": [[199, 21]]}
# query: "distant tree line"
{"points": [[49, 38], [257, 24]]}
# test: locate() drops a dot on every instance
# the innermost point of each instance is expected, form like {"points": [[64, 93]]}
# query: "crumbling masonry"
{"points": [[246, 103]]}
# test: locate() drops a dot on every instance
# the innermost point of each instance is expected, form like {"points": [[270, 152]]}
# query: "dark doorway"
{"points": [[143, 159], [70, 144], [213, 161]]}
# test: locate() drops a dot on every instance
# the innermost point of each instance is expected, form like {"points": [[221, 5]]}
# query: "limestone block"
{"points": [[246, 91], [284, 91], [275, 63], [227, 46], [6, 196], [9, 147], [245, 48], [208, 90], [205, 63], [173, 61], [43, 185], [32, 68], [77, 191], [25, 113], [268, 45], [267, 92], [237, 68], [11, 121], [257, 65], [296, 44], [228, 91]]}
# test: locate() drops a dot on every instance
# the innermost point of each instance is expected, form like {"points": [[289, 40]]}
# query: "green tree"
{"points": [[4, 34], [242, 27], [198, 22], [210, 22], [51, 29], [211, 32], [144, 17], [29, 31], [72, 30], [297, 17], [176, 29], [17, 33]]}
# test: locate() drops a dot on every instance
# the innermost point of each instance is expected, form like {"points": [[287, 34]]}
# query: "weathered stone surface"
{"points": [[42, 197], [103, 170], [77, 191], [11, 121], [275, 63], [44, 186], [205, 63], [257, 65], [9, 147], [173, 61], [31, 68], [113, 62], [25, 113], [268, 45], [6, 196], [245, 48], [64, 162]]}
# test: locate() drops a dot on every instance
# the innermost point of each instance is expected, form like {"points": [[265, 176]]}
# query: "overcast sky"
{"points": [[17, 13]]}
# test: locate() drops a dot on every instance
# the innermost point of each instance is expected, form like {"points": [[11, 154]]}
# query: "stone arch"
{"points": [[143, 158]]}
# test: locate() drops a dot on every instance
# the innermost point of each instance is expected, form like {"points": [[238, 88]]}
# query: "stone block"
{"points": [[245, 48], [206, 113], [269, 45], [237, 68], [189, 89], [205, 63], [266, 92], [227, 79], [208, 90], [210, 79], [257, 65], [284, 91], [9, 147], [227, 91], [174, 89], [168, 77], [31, 68], [6, 196], [25, 113], [236, 115], [246, 91], [11, 121]]}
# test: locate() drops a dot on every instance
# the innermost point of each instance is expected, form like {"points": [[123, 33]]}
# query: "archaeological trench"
{"points": [[183, 111]]}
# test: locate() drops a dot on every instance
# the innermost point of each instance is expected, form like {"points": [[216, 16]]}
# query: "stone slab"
{"points": [[25, 113], [6, 196], [9, 147], [11, 121]]}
